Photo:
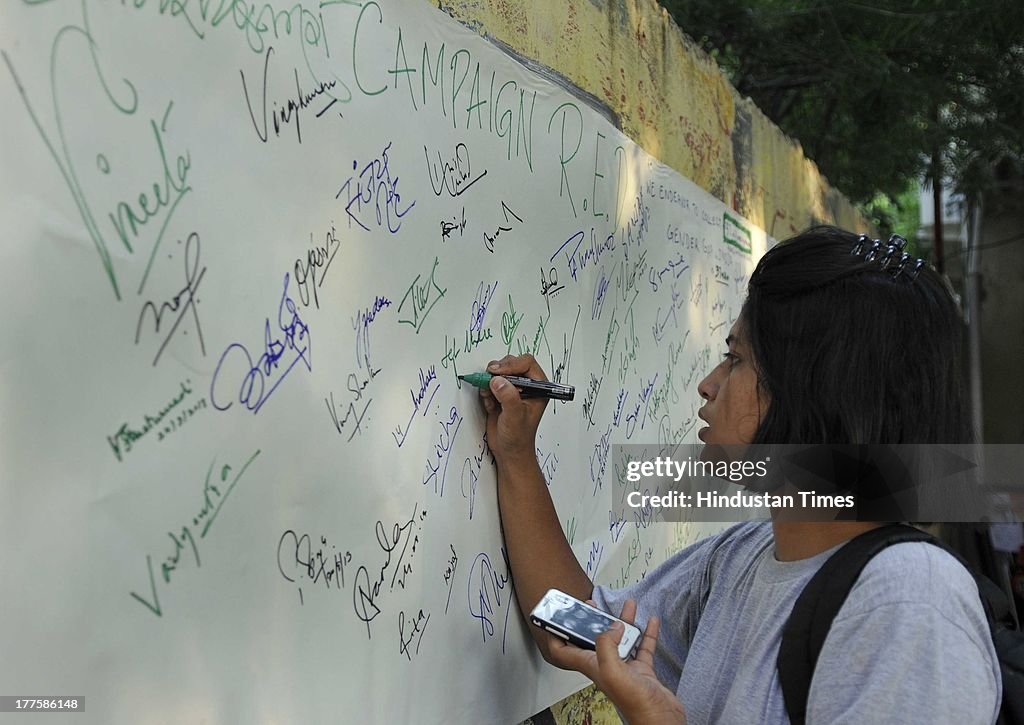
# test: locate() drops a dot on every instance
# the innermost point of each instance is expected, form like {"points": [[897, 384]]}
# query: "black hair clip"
{"points": [[917, 269], [872, 249], [890, 252], [901, 265]]}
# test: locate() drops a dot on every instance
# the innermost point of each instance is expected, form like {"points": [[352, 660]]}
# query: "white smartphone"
{"points": [[579, 623]]}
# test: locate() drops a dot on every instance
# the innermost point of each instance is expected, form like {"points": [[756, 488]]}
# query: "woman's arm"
{"points": [[538, 552], [541, 558]]}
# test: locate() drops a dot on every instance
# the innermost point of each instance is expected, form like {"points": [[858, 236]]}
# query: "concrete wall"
{"points": [[673, 100], [670, 98], [1001, 265]]}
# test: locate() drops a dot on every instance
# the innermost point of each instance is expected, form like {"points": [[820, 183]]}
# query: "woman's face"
{"points": [[733, 405]]}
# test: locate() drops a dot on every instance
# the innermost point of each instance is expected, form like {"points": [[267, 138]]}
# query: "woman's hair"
{"points": [[849, 353]]}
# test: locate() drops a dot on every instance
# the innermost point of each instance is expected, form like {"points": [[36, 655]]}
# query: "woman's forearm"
{"points": [[538, 552]]}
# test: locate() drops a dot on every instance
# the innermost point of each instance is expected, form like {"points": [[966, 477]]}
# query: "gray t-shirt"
{"points": [[911, 644]]}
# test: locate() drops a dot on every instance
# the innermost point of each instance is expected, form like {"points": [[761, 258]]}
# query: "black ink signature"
{"points": [[182, 302], [449, 575], [489, 239], [455, 175], [317, 258], [315, 567], [365, 594], [448, 227], [419, 626], [352, 415], [287, 112], [549, 286]]}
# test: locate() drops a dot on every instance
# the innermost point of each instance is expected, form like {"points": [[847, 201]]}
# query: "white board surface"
{"points": [[248, 246]]}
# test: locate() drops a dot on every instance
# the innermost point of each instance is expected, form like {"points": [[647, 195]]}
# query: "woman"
{"points": [[840, 340]]}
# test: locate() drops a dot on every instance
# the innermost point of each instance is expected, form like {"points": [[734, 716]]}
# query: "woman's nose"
{"points": [[707, 388]]}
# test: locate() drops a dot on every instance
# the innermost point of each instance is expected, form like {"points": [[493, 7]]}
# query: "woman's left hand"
{"points": [[630, 684]]}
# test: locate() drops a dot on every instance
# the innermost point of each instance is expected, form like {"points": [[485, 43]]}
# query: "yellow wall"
{"points": [[672, 99]]}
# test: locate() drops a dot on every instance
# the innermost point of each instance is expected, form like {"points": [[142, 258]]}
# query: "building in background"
{"points": [[1000, 264], [999, 272], [954, 231]]}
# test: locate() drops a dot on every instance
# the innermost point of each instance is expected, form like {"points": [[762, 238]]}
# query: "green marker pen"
{"points": [[527, 386]]}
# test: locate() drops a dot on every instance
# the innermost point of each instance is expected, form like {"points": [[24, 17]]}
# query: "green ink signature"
{"points": [[121, 442], [423, 297], [126, 217], [213, 500]]}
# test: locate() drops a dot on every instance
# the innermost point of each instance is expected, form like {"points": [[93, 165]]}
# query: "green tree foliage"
{"points": [[900, 215], [875, 90]]}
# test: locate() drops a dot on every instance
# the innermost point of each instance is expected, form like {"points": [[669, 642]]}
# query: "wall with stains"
{"points": [[672, 99]]}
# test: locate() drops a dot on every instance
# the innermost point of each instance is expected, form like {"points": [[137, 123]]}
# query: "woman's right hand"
{"points": [[631, 685], [512, 420]]}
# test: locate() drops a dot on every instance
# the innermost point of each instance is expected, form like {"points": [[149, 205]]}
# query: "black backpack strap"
{"points": [[818, 604]]}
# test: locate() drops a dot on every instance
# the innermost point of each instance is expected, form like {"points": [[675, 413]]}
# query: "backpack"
{"points": [[804, 633]]}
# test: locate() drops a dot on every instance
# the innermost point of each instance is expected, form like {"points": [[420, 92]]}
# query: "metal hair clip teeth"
{"points": [[872, 250]]}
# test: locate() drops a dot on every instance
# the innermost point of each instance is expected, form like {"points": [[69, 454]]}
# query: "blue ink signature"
{"points": [[375, 186], [253, 391], [484, 591]]}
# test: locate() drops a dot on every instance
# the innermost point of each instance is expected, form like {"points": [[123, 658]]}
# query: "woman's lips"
{"points": [[702, 431]]}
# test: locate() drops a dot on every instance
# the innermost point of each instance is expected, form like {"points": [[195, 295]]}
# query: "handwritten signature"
{"points": [[296, 559], [354, 414], [261, 379], [508, 215], [184, 301], [427, 383], [577, 260], [449, 575], [486, 594], [317, 258], [374, 185], [365, 594], [418, 624], [549, 286], [509, 324], [214, 496], [454, 225], [290, 111], [423, 297], [361, 325], [479, 308], [435, 469], [122, 441], [471, 468], [454, 174]]}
